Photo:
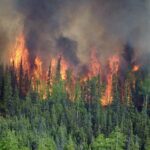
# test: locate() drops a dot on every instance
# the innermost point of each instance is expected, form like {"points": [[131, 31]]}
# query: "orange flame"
{"points": [[136, 68], [20, 53], [38, 78], [94, 67], [64, 68], [113, 69], [38, 68]]}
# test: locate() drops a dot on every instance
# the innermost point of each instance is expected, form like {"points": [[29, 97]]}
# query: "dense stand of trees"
{"points": [[73, 121]]}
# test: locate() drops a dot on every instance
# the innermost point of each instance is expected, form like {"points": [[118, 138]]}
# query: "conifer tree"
{"points": [[8, 101], [70, 144], [21, 78], [58, 70]]}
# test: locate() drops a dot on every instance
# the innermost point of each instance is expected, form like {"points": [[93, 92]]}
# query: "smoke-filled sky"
{"points": [[74, 27]]}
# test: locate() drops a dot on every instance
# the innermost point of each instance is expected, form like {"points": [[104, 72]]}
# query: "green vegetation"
{"points": [[27, 122]]}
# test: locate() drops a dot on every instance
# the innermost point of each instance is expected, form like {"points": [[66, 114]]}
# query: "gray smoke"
{"points": [[10, 26], [3, 42], [68, 48], [74, 27]]}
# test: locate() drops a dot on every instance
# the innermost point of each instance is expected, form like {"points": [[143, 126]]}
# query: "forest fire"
{"points": [[20, 53], [113, 64], [38, 70], [74, 75], [94, 65], [64, 68], [39, 74]]}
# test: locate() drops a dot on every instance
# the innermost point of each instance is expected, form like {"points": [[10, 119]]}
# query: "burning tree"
{"points": [[74, 75]]}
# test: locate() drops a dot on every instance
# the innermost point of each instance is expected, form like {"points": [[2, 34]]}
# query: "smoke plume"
{"points": [[74, 27]]}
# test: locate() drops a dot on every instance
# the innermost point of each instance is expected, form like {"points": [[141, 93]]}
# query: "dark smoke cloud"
{"points": [[68, 48], [40, 24], [85, 24], [128, 54]]}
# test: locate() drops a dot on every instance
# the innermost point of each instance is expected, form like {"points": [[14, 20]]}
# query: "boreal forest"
{"points": [[74, 75]]}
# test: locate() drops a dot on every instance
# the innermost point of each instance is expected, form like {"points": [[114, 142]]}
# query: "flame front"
{"points": [[39, 75], [64, 68], [94, 67], [20, 53], [38, 70], [113, 69]]}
